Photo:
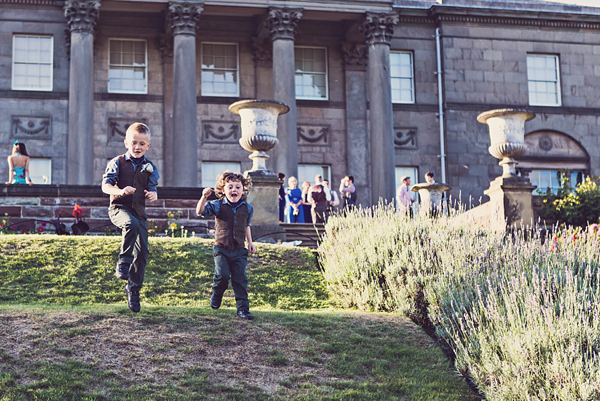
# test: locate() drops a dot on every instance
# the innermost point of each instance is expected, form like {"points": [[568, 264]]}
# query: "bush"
{"points": [[522, 316], [573, 208]]}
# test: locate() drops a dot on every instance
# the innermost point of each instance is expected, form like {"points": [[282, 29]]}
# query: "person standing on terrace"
{"points": [[18, 165]]}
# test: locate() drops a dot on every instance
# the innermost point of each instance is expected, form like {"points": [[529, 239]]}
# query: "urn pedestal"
{"points": [[510, 195], [259, 135], [431, 198]]}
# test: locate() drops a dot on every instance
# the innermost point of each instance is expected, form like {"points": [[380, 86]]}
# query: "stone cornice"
{"points": [[379, 28], [82, 15], [282, 22], [183, 17], [465, 15]]}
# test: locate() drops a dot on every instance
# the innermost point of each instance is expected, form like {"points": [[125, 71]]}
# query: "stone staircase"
{"points": [[308, 233]]}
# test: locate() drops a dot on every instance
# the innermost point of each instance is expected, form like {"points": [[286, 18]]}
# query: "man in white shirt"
{"points": [[405, 197]]}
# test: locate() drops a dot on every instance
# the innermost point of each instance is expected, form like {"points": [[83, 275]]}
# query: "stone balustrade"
{"points": [[28, 208]]}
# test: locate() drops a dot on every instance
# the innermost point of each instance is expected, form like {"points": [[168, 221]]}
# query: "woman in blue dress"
{"points": [[18, 165], [293, 197]]}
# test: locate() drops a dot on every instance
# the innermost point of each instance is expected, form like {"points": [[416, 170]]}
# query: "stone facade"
{"points": [[483, 52]]}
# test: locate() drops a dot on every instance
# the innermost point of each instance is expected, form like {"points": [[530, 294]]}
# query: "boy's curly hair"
{"points": [[227, 176]]}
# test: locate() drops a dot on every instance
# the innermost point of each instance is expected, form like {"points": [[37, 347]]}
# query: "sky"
{"points": [[589, 3]]}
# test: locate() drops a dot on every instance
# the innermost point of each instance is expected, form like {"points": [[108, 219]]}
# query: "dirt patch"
{"points": [[230, 351]]}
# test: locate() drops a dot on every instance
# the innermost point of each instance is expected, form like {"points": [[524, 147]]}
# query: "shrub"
{"points": [[573, 208], [521, 313]]}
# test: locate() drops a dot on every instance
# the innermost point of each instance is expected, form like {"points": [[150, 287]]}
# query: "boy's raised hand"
{"points": [[127, 191], [207, 192], [152, 196]]}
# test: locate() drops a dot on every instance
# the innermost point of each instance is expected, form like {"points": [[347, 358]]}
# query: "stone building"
{"points": [[376, 88]]}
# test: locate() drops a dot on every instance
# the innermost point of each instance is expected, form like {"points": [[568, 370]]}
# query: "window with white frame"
{"points": [[40, 170], [550, 180], [210, 170], [543, 80], [311, 73], [402, 73], [128, 66], [220, 69], [308, 172], [32, 62]]}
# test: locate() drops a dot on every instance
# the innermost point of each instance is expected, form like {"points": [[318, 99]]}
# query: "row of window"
{"points": [[128, 70]]}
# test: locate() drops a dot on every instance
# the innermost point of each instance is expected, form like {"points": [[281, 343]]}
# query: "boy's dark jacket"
{"points": [[131, 175], [230, 227]]}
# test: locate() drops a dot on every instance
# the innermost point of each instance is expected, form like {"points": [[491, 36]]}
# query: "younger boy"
{"points": [[232, 225], [130, 179]]}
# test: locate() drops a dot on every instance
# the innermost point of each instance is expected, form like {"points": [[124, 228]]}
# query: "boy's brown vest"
{"points": [[230, 228], [130, 177]]}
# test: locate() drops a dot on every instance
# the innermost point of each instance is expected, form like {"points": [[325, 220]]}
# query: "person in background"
{"points": [[18, 165], [281, 177], [429, 177], [294, 212], [405, 197], [306, 205], [348, 192], [318, 203], [334, 199]]}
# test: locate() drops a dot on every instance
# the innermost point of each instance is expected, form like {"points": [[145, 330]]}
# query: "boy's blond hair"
{"points": [[225, 177], [139, 128]]}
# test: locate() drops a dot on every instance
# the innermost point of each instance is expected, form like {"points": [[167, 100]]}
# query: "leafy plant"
{"points": [[578, 207]]}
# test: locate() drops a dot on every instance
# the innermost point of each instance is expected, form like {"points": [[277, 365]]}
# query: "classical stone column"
{"points": [[81, 17], [379, 28], [282, 26], [183, 19], [357, 133], [165, 45]]}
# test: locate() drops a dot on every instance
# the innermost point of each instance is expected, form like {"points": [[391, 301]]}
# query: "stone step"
{"points": [[308, 233]]}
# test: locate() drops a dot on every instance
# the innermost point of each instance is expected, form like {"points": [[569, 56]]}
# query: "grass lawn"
{"points": [[66, 332]]}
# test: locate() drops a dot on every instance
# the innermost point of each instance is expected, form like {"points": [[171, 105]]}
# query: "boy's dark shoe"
{"points": [[244, 314], [122, 271], [133, 299], [215, 301]]}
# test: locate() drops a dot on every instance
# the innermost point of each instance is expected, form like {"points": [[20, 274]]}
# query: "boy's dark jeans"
{"points": [[231, 264], [134, 243]]}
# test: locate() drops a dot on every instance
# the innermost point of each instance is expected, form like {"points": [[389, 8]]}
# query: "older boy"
{"points": [[130, 179]]}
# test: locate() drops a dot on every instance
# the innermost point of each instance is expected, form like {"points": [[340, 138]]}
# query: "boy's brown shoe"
{"points": [[122, 271], [133, 299]]}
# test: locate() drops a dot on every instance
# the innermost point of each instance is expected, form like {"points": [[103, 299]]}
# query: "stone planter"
{"points": [[259, 128], [431, 198], [507, 135]]}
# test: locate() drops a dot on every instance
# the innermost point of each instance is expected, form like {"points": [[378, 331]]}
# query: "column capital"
{"points": [[82, 15], [355, 56], [282, 22], [262, 50], [183, 17], [379, 28]]}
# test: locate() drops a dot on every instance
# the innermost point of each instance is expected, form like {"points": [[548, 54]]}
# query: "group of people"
{"points": [[313, 203]]}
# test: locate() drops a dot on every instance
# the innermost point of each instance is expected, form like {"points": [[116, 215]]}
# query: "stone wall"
{"points": [[37, 207]]}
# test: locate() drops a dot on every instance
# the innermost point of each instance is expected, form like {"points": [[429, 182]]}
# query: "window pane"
{"points": [[311, 73], [127, 69], [219, 69]]}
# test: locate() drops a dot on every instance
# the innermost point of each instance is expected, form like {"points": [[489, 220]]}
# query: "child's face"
{"points": [[137, 144], [233, 191]]}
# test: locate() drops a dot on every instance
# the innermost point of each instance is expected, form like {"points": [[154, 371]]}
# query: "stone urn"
{"points": [[507, 134], [431, 197], [259, 128]]}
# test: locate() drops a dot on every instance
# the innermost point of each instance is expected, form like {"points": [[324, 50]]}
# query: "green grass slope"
{"points": [[66, 332]]}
